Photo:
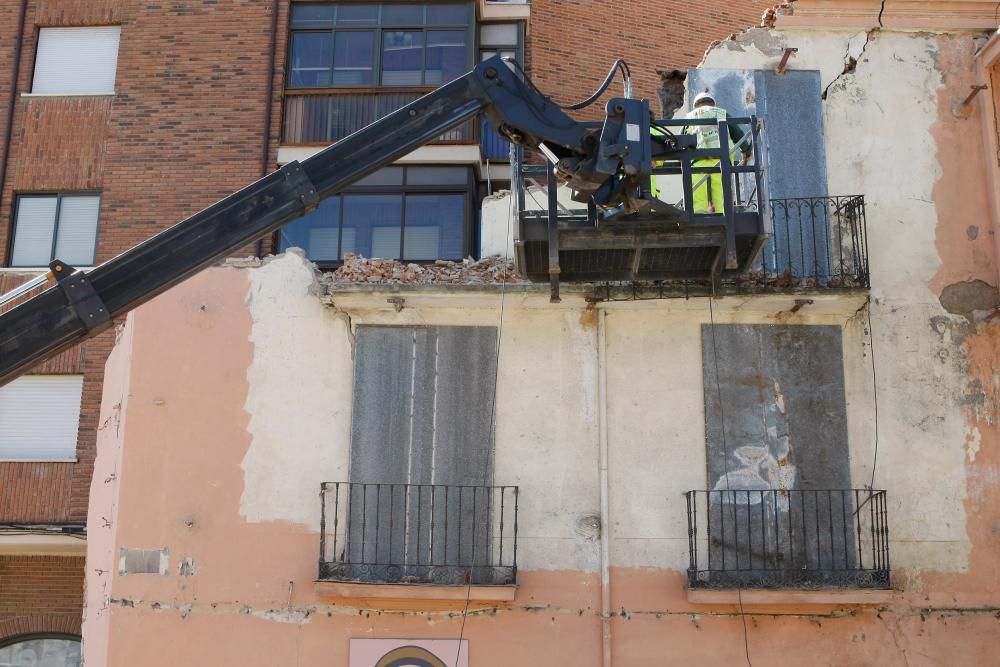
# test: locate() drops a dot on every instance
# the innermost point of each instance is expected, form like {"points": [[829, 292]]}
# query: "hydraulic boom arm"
{"points": [[81, 305]]}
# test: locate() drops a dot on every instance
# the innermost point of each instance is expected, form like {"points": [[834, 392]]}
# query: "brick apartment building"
{"points": [[119, 118]]}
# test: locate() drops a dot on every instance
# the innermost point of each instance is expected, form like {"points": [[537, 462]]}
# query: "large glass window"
{"points": [[358, 45], [417, 213]]}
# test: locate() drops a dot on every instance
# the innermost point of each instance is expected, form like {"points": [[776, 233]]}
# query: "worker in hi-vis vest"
{"points": [[708, 193]]}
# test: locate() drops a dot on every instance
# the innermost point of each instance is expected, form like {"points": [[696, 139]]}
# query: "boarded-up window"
{"points": [[423, 405], [76, 60], [778, 457], [793, 150], [40, 415]]}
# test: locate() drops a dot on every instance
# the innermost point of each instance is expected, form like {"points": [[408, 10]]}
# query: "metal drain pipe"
{"points": [[602, 429]]}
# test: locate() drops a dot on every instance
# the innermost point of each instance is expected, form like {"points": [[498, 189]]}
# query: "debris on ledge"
{"points": [[361, 270]]}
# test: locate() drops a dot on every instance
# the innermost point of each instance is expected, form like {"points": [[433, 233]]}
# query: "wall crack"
{"points": [[850, 62]]}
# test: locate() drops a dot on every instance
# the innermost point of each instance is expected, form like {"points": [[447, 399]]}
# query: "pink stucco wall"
{"points": [[173, 437]]}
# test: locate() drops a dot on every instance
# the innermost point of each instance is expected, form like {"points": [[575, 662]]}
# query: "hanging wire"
{"points": [[871, 343], [725, 452], [490, 471]]}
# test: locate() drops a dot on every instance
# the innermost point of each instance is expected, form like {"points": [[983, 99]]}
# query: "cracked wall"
{"points": [[228, 400]]}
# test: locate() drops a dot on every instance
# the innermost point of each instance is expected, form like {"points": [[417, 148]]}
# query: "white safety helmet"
{"points": [[703, 98]]}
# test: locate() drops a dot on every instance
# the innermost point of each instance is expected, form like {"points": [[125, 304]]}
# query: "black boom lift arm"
{"points": [[610, 166]]}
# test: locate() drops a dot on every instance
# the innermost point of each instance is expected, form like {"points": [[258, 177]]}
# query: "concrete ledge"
{"points": [[42, 545], [407, 597], [431, 154], [790, 598]]}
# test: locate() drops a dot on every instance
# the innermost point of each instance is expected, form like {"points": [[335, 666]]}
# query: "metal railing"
{"points": [[323, 117], [788, 538], [418, 533], [816, 242]]}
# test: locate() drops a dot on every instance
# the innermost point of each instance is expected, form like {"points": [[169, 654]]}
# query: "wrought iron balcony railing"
{"points": [[320, 117], [816, 242], [418, 533], [788, 538]]}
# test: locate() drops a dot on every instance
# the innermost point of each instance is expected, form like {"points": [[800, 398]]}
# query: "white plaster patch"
{"points": [[299, 397]]}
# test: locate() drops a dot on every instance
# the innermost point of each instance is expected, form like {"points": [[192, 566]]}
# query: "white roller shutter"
{"points": [[33, 229], [77, 229], [76, 60], [40, 417]]}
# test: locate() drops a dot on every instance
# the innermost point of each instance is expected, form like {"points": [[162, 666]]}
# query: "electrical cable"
{"points": [[725, 452], [490, 463], [871, 343]]}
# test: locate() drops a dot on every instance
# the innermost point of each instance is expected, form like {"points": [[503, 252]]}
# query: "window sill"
{"points": [[413, 597], [790, 598], [108, 94], [433, 154]]}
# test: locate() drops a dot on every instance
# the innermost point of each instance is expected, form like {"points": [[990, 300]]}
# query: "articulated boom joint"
{"points": [[81, 295]]}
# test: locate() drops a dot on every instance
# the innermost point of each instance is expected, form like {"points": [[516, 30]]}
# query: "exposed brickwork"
{"points": [[572, 44], [40, 594]]}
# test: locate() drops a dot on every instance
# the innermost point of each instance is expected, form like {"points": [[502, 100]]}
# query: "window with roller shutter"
{"points": [[48, 227], [76, 61], [40, 416]]}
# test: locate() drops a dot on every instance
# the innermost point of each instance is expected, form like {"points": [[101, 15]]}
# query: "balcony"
{"points": [[418, 534], [816, 243], [788, 539], [321, 117]]}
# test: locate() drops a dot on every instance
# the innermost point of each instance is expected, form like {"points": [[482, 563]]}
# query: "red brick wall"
{"points": [[572, 43], [40, 594], [184, 129]]}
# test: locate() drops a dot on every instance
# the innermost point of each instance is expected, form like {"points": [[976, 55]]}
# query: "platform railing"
{"points": [[788, 538], [418, 533]]}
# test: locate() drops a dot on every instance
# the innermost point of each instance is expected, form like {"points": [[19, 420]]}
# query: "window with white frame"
{"points": [[40, 416], [76, 61], [59, 226]]}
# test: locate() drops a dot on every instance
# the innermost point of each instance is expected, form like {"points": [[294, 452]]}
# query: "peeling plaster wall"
{"points": [[219, 466], [238, 403], [891, 138], [299, 400]]}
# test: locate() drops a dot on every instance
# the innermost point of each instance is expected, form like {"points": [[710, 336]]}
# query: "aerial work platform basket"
{"points": [[560, 240]]}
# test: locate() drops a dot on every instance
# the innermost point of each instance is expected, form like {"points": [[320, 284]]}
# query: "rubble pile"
{"points": [[361, 270]]}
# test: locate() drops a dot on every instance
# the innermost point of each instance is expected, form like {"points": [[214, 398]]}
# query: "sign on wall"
{"points": [[409, 653]]}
